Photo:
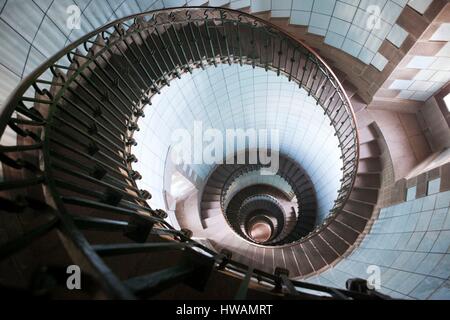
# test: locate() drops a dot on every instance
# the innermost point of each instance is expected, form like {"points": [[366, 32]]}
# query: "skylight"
{"points": [[447, 101]]}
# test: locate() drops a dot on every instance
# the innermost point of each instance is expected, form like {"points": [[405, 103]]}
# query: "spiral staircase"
{"points": [[300, 257], [68, 169]]}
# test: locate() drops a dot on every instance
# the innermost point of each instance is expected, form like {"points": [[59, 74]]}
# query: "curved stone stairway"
{"points": [[221, 179], [318, 251], [92, 182]]}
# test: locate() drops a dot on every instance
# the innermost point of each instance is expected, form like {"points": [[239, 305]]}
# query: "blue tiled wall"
{"points": [[410, 242]]}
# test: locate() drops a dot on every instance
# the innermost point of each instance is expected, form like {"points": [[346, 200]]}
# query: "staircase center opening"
{"points": [[236, 99], [260, 231]]}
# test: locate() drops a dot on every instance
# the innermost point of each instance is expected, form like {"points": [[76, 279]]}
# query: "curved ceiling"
{"points": [[32, 31], [235, 97]]}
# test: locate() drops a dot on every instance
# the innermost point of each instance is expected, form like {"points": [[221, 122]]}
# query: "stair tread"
{"points": [[326, 251], [361, 201], [314, 257], [354, 213]]}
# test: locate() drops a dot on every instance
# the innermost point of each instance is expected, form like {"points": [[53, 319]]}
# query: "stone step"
{"points": [[210, 204], [366, 134], [369, 150], [343, 231], [207, 213], [338, 244], [351, 220], [324, 249], [369, 165], [361, 208], [367, 179], [366, 195], [208, 197]]}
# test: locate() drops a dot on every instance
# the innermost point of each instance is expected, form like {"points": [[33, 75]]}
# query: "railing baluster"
{"points": [[107, 207], [186, 38], [225, 36], [166, 49], [211, 45], [108, 87], [93, 119], [152, 55], [194, 39], [91, 137], [238, 40], [118, 165], [179, 43], [118, 182], [120, 191], [99, 224], [156, 48], [119, 75], [101, 103], [123, 54], [254, 47]]}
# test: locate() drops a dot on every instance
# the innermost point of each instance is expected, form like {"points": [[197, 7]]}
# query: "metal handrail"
{"points": [[229, 184], [113, 34], [234, 176], [243, 214]]}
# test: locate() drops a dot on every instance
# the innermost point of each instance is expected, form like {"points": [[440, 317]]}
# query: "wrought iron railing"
{"points": [[303, 197], [67, 132], [232, 186], [245, 210]]}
